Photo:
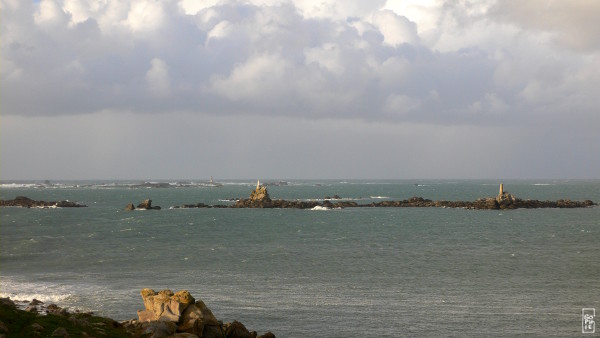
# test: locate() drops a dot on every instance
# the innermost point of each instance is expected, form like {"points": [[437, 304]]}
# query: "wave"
{"points": [[20, 185], [318, 207], [378, 197], [45, 292], [543, 184]]}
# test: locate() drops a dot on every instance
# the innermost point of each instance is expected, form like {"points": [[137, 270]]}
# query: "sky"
{"points": [[314, 89]]}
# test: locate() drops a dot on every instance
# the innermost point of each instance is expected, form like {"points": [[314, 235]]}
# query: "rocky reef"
{"points": [[26, 202], [145, 205], [259, 198], [166, 314], [484, 203]]}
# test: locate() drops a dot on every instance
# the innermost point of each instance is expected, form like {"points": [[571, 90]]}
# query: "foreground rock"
{"points": [[179, 314], [166, 314], [52, 321], [26, 202]]}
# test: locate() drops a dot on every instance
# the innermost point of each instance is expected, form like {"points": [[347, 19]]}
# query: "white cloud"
{"points": [[353, 59], [157, 78], [400, 104], [192, 7], [574, 24], [326, 56], [396, 29], [260, 77], [220, 30], [145, 15], [338, 10], [50, 13]]}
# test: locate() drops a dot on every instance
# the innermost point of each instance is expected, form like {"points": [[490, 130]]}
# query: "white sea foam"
{"points": [[318, 207], [543, 184], [379, 197], [20, 185], [45, 292]]}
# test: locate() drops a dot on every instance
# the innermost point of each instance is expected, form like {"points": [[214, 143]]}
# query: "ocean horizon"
{"points": [[335, 273]]}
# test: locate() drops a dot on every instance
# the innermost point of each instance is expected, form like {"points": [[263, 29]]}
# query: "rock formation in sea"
{"points": [[259, 198], [26, 202], [145, 205]]}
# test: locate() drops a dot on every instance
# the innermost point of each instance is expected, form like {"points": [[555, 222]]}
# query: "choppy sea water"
{"points": [[301, 273]]}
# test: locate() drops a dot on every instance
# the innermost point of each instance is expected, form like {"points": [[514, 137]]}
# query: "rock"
{"points": [[184, 335], [236, 330], [31, 308], [199, 320], [8, 303], [36, 302], [267, 335], [164, 305], [157, 329], [3, 327], [152, 185], [147, 204], [260, 194], [60, 332], [55, 310], [130, 207], [180, 315], [79, 321], [26, 202], [37, 327]]}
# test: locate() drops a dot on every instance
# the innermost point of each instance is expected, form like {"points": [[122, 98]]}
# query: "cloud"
{"points": [[467, 62], [396, 29], [572, 24], [157, 78]]}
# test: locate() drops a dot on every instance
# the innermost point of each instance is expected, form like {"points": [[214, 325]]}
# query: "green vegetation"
{"points": [[19, 323]]}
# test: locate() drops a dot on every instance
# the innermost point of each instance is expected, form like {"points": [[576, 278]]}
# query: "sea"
{"points": [[354, 272]]}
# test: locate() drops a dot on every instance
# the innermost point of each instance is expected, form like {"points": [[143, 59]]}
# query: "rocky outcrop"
{"points": [[490, 203], [166, 314], [152, 185], [510, 202], [259, 198], [26, 202], [179, 314], [145, 205], [260, 194]]}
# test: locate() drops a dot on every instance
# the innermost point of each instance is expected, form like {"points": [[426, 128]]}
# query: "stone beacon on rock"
{"points": [[504, 198], [260, 193]]}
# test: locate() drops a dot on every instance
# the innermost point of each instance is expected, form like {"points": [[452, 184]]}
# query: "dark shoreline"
{"points": [[166, 314]]}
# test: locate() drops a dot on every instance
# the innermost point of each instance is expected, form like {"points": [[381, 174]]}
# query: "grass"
{"points": [[20, 323]]}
